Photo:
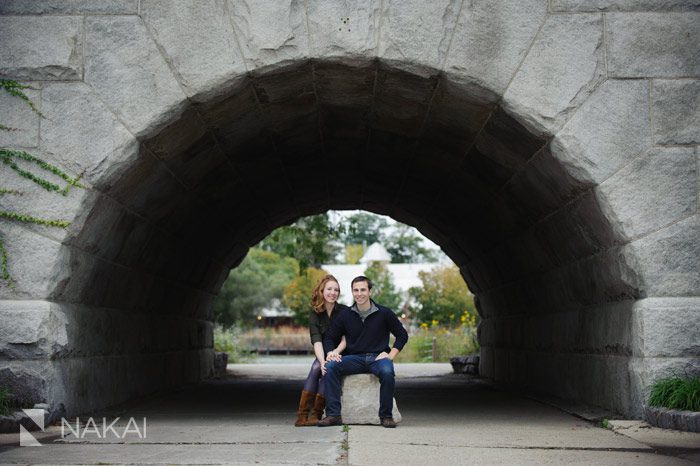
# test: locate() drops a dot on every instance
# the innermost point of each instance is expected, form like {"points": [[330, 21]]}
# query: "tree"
{"points": [[252, 286], [353, 253], [297, 294], [365, 228], [384, 291], [443, 297], [312, 241], [405, 246]]}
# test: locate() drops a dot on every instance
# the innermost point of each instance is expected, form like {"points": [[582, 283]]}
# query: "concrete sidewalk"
{"points": [[248, 419]]}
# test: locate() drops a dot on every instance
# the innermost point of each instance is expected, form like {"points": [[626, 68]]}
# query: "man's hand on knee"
{"points": [[382, 355]]}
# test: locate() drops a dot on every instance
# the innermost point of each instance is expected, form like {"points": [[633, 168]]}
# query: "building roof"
{"points": [[375, 253]]}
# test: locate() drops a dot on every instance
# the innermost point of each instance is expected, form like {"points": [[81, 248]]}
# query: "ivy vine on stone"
{"points": [[9, 157]]}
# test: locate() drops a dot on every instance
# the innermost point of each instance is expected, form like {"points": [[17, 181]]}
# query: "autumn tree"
{"points": [[297, 294], [443, 297]]}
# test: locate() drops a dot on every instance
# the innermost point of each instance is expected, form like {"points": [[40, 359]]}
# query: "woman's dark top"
{"points": [[319, 323]]}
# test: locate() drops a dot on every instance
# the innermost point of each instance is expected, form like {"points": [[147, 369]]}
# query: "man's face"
{"points": [[361, 293]]}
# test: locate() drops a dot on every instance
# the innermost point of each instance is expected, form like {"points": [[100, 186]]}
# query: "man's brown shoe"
{"points": [[388, 422], [330, 421]]}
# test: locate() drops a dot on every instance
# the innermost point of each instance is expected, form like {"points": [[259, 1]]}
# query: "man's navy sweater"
{"points": [[370, 336]]}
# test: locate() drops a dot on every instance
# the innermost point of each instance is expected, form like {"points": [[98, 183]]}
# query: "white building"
{"points": [[405, 275]]}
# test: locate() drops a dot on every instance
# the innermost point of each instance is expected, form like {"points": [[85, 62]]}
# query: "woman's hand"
{"points": [[323, 368], [333, 356]]}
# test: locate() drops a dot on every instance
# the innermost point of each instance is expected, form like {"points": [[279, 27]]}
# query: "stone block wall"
{"points": [[549, 147]]}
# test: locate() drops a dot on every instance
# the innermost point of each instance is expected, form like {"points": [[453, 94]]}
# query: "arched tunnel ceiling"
{"points": [[312, 136]]}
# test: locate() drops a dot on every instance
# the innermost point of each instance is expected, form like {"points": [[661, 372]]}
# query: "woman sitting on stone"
{"points": [[325, 307]]}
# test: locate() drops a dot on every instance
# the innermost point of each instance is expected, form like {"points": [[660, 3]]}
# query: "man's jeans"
{"points": [[360, 364]]}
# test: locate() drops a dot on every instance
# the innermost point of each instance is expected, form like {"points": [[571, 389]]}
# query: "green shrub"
{"points": [[5, 404], [459, 341], [676, 393], [228, 341]]}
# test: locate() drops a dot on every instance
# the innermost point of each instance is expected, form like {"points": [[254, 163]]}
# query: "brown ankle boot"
{"points": [[317, 411], [305, 404]]}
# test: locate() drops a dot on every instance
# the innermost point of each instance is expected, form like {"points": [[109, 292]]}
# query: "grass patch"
{"points": [[681, 393], [605, 424]]}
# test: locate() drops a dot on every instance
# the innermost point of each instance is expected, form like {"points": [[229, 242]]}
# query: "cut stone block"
{"points": [[41, 47], [82, 134], [669, 259], [562, 68], [343, 28], [653, 44], [491, 38], [676, 111], [417, 31], [264, 45], [18, 116], [578, 6], [199, 41], [37, 7], [654, 190], [609, 130], [360, 400], [127, 70]]}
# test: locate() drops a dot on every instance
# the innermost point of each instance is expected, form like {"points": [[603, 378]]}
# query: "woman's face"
{"points": [[331, 291]]}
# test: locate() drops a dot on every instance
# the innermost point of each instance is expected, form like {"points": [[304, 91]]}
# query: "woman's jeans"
{"points": [[360, 364], [312, 380]]}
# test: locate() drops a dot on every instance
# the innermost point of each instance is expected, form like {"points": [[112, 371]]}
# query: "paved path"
{"points": [[247, 419]]}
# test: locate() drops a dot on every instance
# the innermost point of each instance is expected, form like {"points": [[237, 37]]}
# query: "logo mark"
{"points": [[26, 439]]}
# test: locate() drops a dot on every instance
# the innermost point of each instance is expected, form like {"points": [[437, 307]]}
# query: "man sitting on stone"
{"points": [[366, 326]]}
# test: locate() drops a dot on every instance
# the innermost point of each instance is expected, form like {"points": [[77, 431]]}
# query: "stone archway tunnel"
{"points": [[547, 148]]}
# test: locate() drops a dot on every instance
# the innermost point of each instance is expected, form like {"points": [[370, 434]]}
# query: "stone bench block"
{"points": [[360, 400]]}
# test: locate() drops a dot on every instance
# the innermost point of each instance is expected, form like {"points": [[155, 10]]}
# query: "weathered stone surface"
{"points": [[676, 111], [360, 400], [623, 5], [347, 28], [653, 44], [128, 72], [609, 129], [491, 38], [17, 115], [30, 260], [30, 329], [687, 421], [27, 381], [41, 47], [38, 202], [123, 7], [562, 68], [654, 190], [669, 259], [264, 45], [82, 134], [668, 327], [199, 41], [417, 32]]}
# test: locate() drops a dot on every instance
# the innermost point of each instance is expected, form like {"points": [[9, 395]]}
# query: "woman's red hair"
{"points": [[317, 300]]}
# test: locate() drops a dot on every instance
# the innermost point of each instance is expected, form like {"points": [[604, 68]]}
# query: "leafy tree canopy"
{"points": [[443, 297], [297, 294], [252, 286], [312, 241], [384, 291]]}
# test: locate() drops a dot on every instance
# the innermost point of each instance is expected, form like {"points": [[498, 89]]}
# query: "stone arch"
{"points": [[530, 155]]}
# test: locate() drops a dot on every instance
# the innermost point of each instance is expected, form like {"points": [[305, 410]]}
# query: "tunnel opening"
{"points": [[533, 240]]}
